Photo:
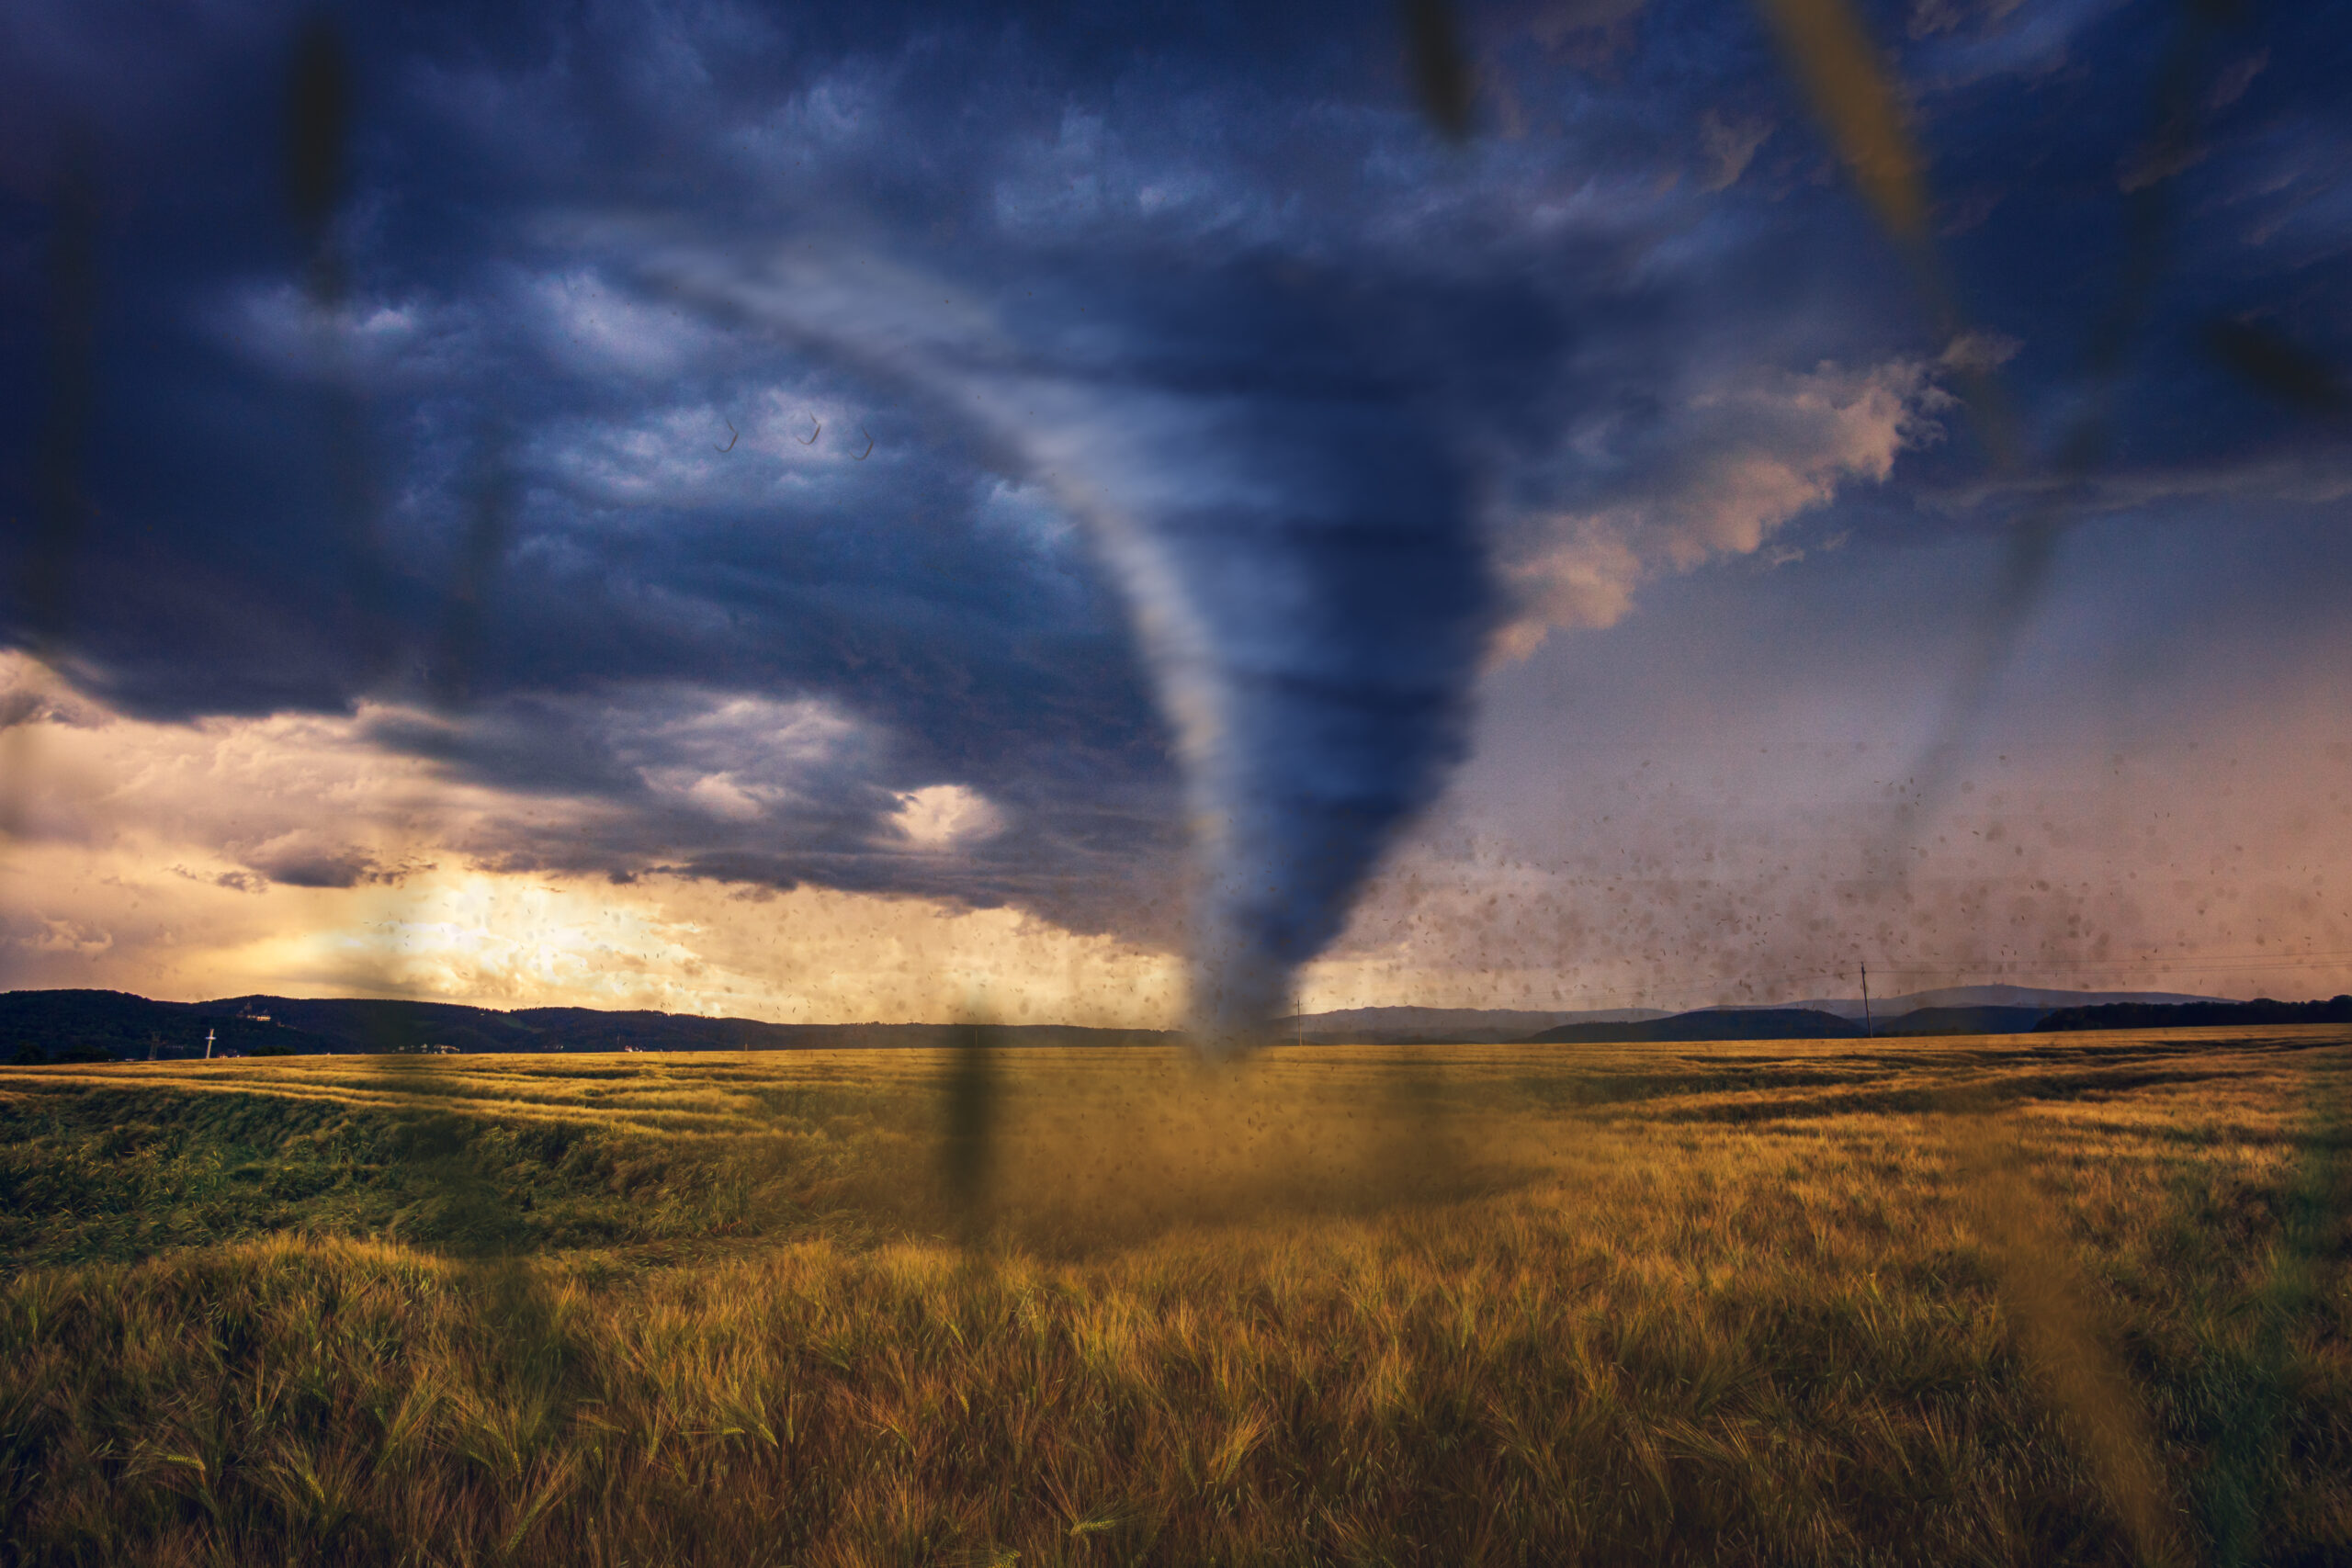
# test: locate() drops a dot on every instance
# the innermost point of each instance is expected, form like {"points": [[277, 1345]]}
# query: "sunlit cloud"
{"points": [[939, 817], [1717, 475], [292, 856]]}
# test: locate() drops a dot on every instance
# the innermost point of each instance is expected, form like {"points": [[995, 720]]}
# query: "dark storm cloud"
{"points": [[306, 865], [631, 290]]}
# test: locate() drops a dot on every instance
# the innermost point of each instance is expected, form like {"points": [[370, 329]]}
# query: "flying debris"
{"points": [[869, 446], [810, 439], [732, 436]]}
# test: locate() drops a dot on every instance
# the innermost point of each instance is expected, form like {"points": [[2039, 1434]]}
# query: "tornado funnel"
{"points": [[1293, 532]]}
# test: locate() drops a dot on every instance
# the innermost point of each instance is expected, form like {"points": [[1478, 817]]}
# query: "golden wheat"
{"points": [[2073, 1299]]}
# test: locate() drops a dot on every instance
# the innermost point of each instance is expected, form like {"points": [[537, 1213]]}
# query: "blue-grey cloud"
{"points": [[300, 862], [1174, 524]]}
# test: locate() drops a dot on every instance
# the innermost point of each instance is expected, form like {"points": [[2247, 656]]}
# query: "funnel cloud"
{"points": [[1283, 503]]}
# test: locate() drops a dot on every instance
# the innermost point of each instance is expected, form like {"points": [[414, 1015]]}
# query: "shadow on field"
{"points": [[1770, 1088], [1122, 1156], [463, 1213]]}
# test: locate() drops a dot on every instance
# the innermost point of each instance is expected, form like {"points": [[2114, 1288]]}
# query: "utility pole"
{"points": [[1869, 1029], [208, 1044]]}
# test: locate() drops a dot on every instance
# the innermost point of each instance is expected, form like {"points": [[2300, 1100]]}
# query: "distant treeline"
{"points": [[95, 1026], [1808, 1023], [63, 1026], [2191, 1015], [1722, 1024]]}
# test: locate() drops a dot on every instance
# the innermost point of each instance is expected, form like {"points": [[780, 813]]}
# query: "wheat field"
{"points": [[2019, 1300]]}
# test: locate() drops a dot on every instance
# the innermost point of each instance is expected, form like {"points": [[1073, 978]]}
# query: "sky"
{"points": [[1078, 514]]}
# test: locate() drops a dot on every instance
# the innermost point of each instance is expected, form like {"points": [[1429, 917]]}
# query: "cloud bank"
{"points": [[1067, 467]]}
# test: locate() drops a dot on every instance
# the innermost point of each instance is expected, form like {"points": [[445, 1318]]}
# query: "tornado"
{"points": [[1272, 485]]}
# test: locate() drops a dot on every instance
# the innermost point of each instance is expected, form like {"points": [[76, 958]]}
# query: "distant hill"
{"points": [[1713, 1023], [64, 1025], [2192, 1015], [1884, 1007], [115, 1023], [1955, 1010], [1790, 1023], [1453, 1026], [56, 1025]]}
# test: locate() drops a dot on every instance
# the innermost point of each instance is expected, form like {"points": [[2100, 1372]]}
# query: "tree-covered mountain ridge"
{"points": [[66, 1025]]}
